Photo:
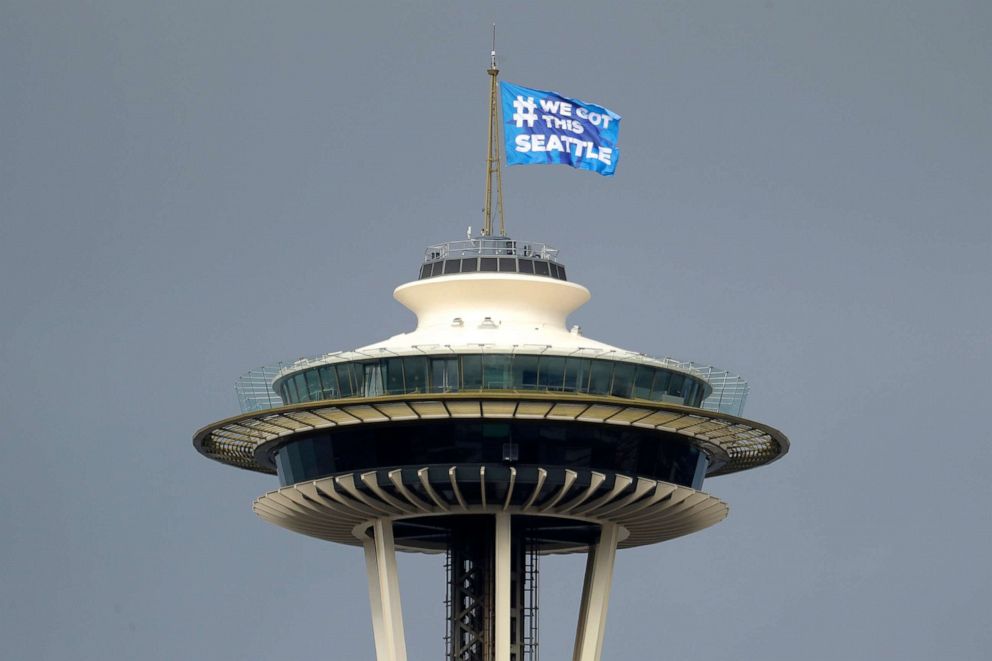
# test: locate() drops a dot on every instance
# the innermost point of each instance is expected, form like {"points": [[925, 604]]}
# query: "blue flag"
{"points": [[545, 127]]}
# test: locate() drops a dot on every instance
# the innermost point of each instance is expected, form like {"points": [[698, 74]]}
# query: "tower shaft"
{"points": [[475, 552]]}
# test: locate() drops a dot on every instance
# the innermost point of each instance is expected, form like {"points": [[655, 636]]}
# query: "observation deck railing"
{"points": [[255, 393], [490, 246]]}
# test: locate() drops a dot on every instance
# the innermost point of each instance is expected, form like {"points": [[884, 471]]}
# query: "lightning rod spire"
{"points": [[493, 159]]}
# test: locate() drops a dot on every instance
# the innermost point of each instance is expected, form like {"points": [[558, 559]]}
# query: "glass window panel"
{"points": [[294, 460], [551, 373], [437, 375], [453, 266], [415, 371], [623, 379], [281, 467], [301, 388], [343, 374], [291, 396], [554, 271], [496, 371], [328, 382], [642, 381], [660, 387], [451, 367], [357, 377], [507, 265], [425, 271], [373, 378], [576, 374], [444, 374], [472, 371], [690, 390], [394, 375], [525, 371], [599, 377], [697, 396], [561, 272], [313, 385], [676, 385], [541, 268], [436, 268], [526, 265], [470, 264], [487, 264]]}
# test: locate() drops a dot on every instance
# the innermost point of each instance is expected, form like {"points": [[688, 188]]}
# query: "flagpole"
{"points": [[493, 158]]}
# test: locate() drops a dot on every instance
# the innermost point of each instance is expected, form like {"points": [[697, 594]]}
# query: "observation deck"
{"points": [[495, 432], [492, 255], [491, 343]]}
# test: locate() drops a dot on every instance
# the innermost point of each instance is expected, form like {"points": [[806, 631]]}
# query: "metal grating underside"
{"points": [[339, 508]]}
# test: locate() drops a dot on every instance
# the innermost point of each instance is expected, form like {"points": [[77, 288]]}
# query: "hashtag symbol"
{"points": [[524, 112]]}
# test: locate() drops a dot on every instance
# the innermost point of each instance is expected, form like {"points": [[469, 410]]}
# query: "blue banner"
{"points": [[545, 127]]}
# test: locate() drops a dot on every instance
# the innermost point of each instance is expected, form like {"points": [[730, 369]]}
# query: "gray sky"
{"points": [[191, 189]]}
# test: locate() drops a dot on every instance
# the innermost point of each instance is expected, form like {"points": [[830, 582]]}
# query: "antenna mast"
{"points": [[493, 160]]}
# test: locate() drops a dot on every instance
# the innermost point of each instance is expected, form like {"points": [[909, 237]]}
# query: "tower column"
{"points": [[504, 586], [596, 595], [384, 593]]}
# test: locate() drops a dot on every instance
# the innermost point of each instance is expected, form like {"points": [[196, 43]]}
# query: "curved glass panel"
{"points": [[628, 450], [491, 371]]}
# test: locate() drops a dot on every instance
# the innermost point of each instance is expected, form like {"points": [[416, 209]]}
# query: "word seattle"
{"points": [[545, 127]]}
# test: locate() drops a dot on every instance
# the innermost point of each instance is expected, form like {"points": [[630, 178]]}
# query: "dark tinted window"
{"points": [[546, 373], [599, 380], [496, 371], [660, 387], [444, 374], [526, 265], [541, 268], [415, 371], [525, 371], [394, 375], [642, 381], [623, 379], [301, 387], [488, 264], [552, 373], [329, 382], [470, 264], [555, 444], [576, 374], [453, 266], [472, 371], [507, 265]]}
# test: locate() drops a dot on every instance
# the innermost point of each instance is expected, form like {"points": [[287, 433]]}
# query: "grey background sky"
{"points": [[191, 189]]}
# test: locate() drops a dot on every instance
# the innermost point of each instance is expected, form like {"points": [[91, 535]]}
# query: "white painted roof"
{"points": [[494, 309]]}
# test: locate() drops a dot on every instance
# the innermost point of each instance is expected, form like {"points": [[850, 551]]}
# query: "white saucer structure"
{"points": [[493, 433]]}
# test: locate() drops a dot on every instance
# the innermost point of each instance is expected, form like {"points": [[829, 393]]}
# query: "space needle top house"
{"points": [[493, 433]]}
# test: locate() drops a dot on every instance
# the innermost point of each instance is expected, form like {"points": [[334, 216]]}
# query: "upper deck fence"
{"points": [[255, 392]]}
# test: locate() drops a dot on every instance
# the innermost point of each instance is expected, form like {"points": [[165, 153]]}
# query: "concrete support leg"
{"points": [[382, 644], [503, 586], [596, 595], [384, 593]]}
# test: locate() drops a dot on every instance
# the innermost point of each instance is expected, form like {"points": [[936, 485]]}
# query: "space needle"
{"points": [[493, 434]]}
